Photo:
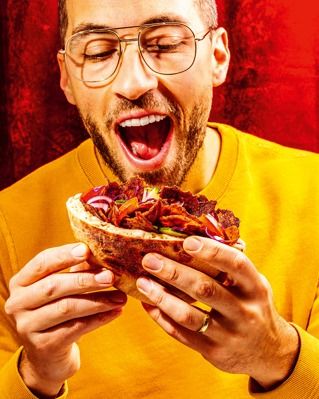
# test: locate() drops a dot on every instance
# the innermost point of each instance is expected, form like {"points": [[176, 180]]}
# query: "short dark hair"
{"points": [[206, 7], [63, 20]]}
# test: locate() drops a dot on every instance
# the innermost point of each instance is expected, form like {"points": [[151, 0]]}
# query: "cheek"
{"points": [[91, 101], [191, 87]]}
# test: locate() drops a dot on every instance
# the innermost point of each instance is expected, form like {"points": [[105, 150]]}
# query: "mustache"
{"points": [[146, 101]]}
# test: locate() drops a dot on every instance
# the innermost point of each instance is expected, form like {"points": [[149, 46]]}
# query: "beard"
{"points": [[190, 131]]}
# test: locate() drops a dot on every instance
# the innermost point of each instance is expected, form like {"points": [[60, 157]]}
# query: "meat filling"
{"points": [[163, 210]]}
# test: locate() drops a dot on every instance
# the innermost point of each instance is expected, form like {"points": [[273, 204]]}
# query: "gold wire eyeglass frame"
{"points": [[141, 28]]}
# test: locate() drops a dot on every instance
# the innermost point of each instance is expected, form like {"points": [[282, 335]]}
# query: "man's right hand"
{"points": [[53, 308]]}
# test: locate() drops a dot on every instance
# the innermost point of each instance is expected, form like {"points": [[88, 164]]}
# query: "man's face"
{"points": [[168, 112]]}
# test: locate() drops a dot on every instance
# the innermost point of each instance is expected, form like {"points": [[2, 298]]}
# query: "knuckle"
{"points": [[173, 332], [65, 306], [215, 251], [205, 290], [12, 283], [22, 326], [49, 288], [9, 306], [173, 274], [83, 280], [13, 304], [156, 315], [39, 262], [265, 288], [240, 262], [158, 298], [186, 319], [76, 325], [250, 315], [241, 311], [42, 342], [60, 257], [44, 261]]}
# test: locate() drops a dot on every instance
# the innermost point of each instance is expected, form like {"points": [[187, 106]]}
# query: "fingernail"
{"points": [[144, 285], [79, 251], [193, 244], [105, 277], [153, 262]]}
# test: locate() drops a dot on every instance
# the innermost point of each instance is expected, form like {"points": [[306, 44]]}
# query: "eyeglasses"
{"points": [[167, 48]]}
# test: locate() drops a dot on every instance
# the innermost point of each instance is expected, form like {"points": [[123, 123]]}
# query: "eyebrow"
{"points": [[86, 26]]}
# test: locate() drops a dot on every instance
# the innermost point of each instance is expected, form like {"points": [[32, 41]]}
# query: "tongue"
{"points": [[144, 151], [146, 142]]}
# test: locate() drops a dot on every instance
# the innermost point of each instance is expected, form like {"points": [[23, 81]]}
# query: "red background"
{"points": [[272, 89]]}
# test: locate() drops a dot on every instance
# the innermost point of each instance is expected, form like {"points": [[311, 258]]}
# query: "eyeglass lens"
{"points": [[166, 49]]}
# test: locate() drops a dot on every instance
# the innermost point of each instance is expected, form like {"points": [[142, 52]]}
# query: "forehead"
{"points": [[117, 13]]}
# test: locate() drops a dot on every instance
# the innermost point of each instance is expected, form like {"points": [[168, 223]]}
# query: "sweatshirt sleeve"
{"points": [[11, 383], [303, 382]]}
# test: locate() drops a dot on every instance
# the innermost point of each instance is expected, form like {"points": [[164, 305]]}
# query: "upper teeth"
{"points": [[146, 120]]}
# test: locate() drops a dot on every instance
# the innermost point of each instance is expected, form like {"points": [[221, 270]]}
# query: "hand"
{"points": [[53, 308], [245, 333]]}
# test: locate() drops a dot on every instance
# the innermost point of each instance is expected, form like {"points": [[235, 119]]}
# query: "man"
{"points": [[141, 74]]}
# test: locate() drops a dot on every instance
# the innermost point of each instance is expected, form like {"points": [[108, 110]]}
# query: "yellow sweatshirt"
{"points": [[275, 193]]}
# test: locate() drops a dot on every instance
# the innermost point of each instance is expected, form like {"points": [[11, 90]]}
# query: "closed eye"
{"points": [[102, 56], [160, 48]]}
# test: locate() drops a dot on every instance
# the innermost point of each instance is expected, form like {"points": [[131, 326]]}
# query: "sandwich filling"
{"points": [[165, 210]]}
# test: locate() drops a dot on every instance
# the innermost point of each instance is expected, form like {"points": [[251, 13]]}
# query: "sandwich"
{"points": [[121, 223]]}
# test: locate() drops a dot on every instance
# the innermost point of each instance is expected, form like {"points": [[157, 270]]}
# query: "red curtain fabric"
{"points": [[273, 85], [272, 89]]}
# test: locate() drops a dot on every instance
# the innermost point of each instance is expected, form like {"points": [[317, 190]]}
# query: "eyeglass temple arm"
{"points": [[199, 39]]}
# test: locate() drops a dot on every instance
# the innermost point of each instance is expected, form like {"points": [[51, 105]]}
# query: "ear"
{"points": [[221, 56], [65, 83]]}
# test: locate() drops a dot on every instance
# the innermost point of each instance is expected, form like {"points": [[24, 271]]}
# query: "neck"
{"points": [[205, 164]]}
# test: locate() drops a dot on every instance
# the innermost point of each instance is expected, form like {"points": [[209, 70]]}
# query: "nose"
{"points": [[133, 78]]}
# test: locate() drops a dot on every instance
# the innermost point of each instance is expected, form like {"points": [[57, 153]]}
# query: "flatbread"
{"points": [[122, 250]]}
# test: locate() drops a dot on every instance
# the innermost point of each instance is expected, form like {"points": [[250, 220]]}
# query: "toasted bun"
{"points": [[122, 250]]}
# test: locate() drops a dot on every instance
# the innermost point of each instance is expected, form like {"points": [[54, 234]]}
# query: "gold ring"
{"points": [[204, 326]]}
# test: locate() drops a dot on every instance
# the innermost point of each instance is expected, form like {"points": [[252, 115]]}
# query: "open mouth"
{"points": [[146, 138]]}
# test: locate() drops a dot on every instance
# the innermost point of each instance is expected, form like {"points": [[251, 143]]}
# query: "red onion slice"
{"points": [[214, 222], [100, 205], [99, 198], [100, 202]]}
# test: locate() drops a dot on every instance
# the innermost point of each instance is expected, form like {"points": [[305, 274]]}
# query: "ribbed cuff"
{"points": [[12, 385], [303, 382]]}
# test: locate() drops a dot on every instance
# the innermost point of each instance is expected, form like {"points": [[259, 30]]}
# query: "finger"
{"points": [[90, 264], [69, 308], [216, 334], [83, 267], [57, 286], [182, 313], [50, 261], [224, 258], [71, 331], [191, 339], [194, 283], [214, 343]]}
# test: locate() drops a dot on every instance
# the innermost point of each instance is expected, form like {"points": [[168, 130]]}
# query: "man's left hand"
{"points": [[245, 333]]}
